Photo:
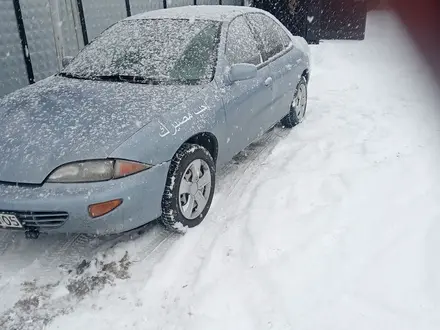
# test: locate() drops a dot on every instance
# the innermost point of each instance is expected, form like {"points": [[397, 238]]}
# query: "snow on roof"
{"points": [[209, 12]]}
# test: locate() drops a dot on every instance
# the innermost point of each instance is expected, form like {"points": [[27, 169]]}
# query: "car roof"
{"points": [[207, 12]]}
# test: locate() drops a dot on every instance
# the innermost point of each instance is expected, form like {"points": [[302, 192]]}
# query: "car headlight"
{"points": [[96, 170]]}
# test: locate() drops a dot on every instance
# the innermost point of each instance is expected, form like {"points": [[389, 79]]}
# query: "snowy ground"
{"points": [[334, 225]]}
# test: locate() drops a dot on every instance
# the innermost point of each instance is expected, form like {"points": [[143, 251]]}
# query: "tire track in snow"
{"points": [[241, 175], [155, 249], [37, 259], [49, 249], [71, 252], [5, 241], [151, 244], [256, 153]]}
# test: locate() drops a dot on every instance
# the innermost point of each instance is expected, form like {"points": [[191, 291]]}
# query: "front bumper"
{"points": [[141, 194]]}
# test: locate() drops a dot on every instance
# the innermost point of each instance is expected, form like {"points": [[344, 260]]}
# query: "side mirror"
{"points": [[66, 60], [243, 71]]}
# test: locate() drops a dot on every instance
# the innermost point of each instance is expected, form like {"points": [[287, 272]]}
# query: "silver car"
{"points": [[134, 127]]}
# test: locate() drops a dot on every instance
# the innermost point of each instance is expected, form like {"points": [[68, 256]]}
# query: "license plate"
{"points": [[9, 221]]}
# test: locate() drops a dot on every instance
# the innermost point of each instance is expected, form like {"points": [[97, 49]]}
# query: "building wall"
{"points": [[343, 19]]}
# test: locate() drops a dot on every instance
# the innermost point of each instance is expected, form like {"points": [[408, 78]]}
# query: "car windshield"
{"points": [[151, 51]]}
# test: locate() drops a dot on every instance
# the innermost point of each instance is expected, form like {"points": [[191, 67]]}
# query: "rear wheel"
{"points": [[298, 107], [189, 189]]}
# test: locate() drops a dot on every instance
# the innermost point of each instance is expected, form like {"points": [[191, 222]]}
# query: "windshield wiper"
{"points": [[133, 79], [71, 75], [129, 78]]}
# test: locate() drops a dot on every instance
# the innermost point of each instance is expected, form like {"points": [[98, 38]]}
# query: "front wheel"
{"points": [[298, 107], [189, 189]]}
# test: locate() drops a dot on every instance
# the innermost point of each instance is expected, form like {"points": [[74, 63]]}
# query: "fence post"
{"points": [[24, 43], [128, 7], [57, 31], [77, 24], [82, 20], [313, 24]]}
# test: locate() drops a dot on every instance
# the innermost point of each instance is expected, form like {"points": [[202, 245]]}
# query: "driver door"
{"points": [[246, 102]]}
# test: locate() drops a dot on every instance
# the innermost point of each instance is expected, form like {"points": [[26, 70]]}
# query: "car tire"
{"points": [[191, 174], [298, 106]]}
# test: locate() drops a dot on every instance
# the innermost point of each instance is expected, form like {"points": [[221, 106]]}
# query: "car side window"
{"points": [[272, 37], [241, 46], [285, 38]]}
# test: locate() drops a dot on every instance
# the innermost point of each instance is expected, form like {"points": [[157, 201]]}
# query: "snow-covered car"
{"points": [[134, 127]]}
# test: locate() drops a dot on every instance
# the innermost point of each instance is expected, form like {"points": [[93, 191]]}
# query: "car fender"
{"points": [[158, 141]]}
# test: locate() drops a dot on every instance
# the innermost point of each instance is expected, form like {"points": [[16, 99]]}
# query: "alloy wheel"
{"points": [[195, 189]]}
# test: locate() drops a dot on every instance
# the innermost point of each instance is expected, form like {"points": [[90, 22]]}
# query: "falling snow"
{"points": [[332, 225]]}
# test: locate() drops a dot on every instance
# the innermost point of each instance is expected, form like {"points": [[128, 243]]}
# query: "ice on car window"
{"points": [[241, 46], [165, 50]]}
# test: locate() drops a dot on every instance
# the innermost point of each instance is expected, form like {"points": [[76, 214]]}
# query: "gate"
{"points": [[343, 19]]}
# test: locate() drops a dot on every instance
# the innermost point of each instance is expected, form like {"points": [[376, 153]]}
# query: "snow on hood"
{"points": [[61, 120]]}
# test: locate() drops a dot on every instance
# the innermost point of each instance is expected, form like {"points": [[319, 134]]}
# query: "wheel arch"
{"points": [[306, 75], [206, 140]]}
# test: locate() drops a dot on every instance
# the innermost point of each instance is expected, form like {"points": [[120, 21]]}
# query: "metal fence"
{"points": [[36, 34]]}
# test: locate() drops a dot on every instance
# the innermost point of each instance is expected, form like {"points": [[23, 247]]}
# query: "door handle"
{"points": [[268, 81]]}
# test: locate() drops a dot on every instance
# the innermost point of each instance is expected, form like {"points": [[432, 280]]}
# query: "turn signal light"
{"points": [[125, 168], [100, 209]]}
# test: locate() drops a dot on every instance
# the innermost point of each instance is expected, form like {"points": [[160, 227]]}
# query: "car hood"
{"points": [[61, 120]]}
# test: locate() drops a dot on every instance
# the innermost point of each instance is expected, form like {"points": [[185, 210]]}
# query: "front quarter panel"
{"points": [[300, 45], [303, 52], [159, 140]]}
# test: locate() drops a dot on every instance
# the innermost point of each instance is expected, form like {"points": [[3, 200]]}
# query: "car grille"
{"points": [[44, 220]]}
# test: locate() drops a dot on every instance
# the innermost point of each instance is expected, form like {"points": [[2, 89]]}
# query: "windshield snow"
{"points": [[154, 50]]}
